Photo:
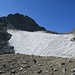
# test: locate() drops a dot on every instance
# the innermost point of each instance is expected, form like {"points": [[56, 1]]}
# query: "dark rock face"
{"points": [[5, 48], [73, 39], [4, 36], [21, 22], [4, 23], [24, 22]]}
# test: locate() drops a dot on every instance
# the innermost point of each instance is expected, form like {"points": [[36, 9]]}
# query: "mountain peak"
{"points": [[22, 22]]}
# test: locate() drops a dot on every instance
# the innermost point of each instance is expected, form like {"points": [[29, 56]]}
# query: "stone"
{"points": [[1, 72], [63, 70], [51, 73], [34, 61], [71, 61], [55, 70], [72, 73], [9, 61], [73, 39], [13, 71], [24, 62], [73, 70], [4, 66], [39, 71], [40, 65], [23, 66], [11, 67], [45, 71], [62, 63], [21, 69]]}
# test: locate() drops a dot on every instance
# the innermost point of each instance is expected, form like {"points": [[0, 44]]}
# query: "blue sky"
{"points": [[55, 15]]}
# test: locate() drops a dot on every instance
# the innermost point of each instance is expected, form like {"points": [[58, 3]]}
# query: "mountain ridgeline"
{"points": [[20, 22]]}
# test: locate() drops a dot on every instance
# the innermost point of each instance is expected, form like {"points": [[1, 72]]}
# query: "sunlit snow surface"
{"points": [[42, 44]]}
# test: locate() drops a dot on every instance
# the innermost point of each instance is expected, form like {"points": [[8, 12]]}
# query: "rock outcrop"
{"points": [[5, 48], [24, 22], [20, 22]]}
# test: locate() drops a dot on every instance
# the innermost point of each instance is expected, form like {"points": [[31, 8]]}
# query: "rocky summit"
{"points": [[21, 22]]}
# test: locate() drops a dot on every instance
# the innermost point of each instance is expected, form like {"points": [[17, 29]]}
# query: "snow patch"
{"points": [[42, 44]]}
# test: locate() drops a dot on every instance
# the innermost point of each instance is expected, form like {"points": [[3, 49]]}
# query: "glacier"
{"points": [[40, 43]]}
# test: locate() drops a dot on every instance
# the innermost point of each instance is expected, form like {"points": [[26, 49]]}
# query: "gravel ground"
{"points": [[19, 64]]}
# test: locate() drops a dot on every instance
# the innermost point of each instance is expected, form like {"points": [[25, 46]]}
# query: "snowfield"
{"points": [[42, 44]]}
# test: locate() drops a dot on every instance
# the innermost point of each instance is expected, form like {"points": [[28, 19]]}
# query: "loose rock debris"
{"points": [[19, 64]]}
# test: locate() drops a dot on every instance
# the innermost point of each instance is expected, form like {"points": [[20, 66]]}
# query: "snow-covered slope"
{"points": [[42, 44]]}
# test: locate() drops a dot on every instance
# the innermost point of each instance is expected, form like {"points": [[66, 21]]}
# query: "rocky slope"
{"points": [[16, 64], [5, 48]]}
